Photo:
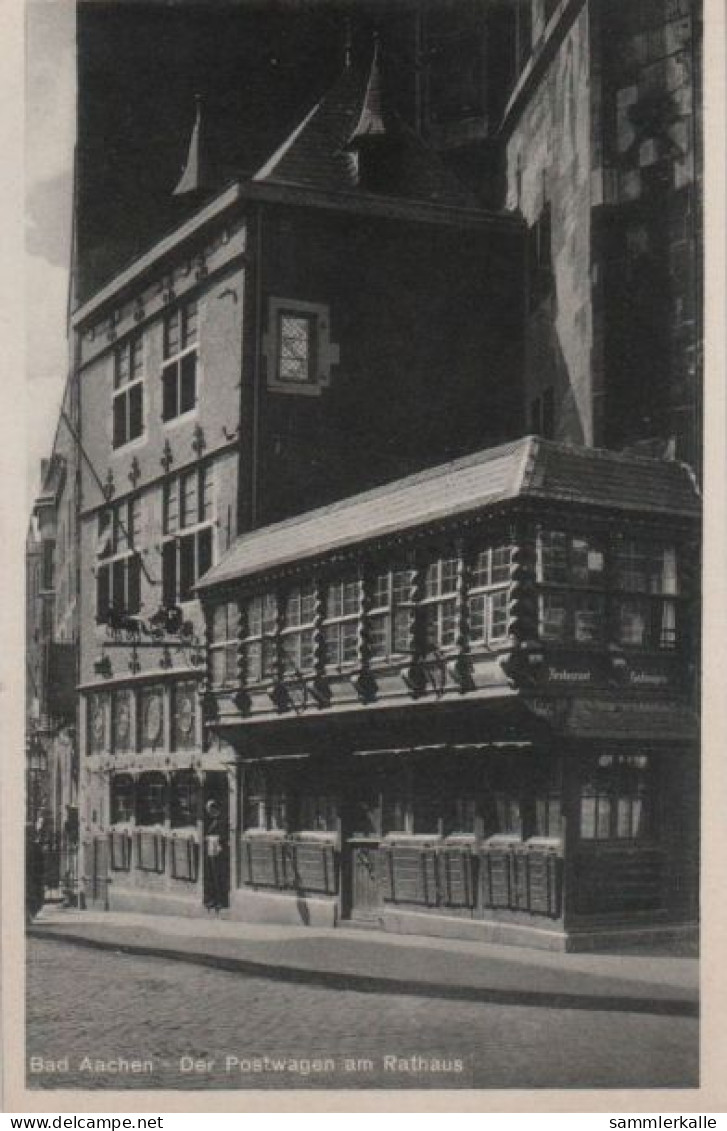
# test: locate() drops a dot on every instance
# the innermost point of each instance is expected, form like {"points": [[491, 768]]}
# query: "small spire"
{"points": [[195, 176], [371, 121], [348, 44]]}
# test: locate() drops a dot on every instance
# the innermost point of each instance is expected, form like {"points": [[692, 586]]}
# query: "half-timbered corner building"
{"points": [[459, 704]]}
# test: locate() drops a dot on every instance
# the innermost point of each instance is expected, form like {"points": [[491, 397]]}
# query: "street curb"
{"points": [[367, 983]]}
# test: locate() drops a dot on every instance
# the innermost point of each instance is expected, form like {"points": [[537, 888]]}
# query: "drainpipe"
{"points": [[256, 391]]}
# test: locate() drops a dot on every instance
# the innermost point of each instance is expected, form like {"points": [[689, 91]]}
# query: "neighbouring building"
{"points": [[52, 654], [602, 150]]}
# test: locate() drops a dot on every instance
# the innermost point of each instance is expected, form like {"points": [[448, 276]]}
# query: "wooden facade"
{"points": [[476, 725]]}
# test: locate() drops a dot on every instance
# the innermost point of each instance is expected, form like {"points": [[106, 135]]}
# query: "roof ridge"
{"points": [[587, 451], [440, 470], [269, 166]]}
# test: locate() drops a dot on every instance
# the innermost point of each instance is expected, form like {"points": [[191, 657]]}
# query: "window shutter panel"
{"points": [[188, 382], [136, 411], [133, 602], [169, 573], [186, 567], [205, 551], [120, 436], [102, 593], [118, 578], [170, 407]]}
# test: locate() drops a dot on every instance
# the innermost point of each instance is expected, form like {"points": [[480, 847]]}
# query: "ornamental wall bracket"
{"points": [[134, 472], [462, 672], [525, 663], [198, 441], [365, 686], [109, 487], [166, 628], [167, 458]]}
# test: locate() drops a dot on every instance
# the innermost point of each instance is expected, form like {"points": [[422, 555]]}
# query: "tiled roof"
{"points": [[528, 468], [317, 155]]}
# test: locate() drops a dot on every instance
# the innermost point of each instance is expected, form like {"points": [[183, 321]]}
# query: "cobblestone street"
{"points": [[111, 1020]]}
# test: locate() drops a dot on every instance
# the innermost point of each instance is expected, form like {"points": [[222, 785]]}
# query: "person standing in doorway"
{"points": [[214, 895]]}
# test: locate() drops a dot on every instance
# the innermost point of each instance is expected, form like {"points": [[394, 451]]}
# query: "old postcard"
{"points": [[363, 548]]}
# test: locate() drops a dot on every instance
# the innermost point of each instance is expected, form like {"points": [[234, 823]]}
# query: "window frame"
{"points": [[310, 321], [181, 782], [184, 540], [123, 786], [489, 590], [298, 630], [616, 791], [266, 667], [267, 799], [388, 613], [660, 603], [436, 599], [655, 600], [226, 645], [125, 385], [337, 624], [146, 782], [118, 560], [323, 353], [184, 351], [572, 592]]}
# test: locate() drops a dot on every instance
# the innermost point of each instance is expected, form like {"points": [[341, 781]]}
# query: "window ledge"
{"points": [[422, 839], [181, 417], [130, 445]]}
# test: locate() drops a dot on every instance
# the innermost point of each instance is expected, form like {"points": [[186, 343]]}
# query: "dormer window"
{"points": [[179, 372], [128, 411]]}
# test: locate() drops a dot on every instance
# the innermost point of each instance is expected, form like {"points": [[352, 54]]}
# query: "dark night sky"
{"points": [[258, 66]]}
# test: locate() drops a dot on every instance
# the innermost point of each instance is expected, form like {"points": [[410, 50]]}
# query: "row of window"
{"points": [[147, 800], [577, 572], [179, 374], [295, 364], [281, 628], [188, 507], [616, 803], [585, 595]]}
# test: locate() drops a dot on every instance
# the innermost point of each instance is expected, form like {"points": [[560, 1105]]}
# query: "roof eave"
{"points": [[160, 250]]}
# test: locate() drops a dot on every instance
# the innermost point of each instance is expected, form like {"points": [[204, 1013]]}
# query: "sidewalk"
{"points": [[378, 962]]}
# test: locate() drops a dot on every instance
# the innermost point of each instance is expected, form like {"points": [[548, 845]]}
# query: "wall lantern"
{"points": [[102, 666]]}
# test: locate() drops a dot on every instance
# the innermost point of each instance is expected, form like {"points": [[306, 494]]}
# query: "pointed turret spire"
{"points": [[196, 175], [348, 44], [371, 122]]}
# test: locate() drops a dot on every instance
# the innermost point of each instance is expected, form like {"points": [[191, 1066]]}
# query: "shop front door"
{"points": [[216, 844], [365, 903], [96, 868]]}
